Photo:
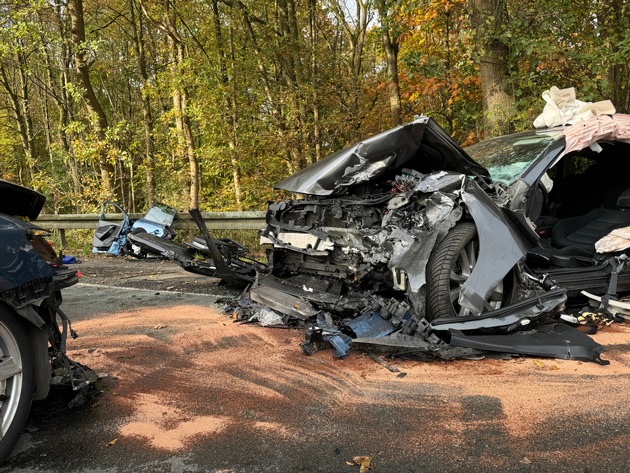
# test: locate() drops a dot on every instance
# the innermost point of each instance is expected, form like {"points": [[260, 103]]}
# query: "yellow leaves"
{"points": [[545, 366], [364, 462], [427, 12], [470, 139]]}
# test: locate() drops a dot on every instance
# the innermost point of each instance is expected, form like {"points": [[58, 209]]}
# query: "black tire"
{"points": [[17, 379], [448, 269]]}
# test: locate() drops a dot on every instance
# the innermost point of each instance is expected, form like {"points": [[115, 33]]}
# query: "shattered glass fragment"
{"points": [[268, 317]]}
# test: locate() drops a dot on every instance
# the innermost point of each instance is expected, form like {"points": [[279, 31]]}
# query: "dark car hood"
{"points": [[20, 201], [420, 145]]}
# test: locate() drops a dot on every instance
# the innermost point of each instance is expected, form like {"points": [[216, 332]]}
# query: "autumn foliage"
{"points": [[211, 103]]}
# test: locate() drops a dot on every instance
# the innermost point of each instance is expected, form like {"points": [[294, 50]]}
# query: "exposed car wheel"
{"points": [[448, 269], [17, 380]]}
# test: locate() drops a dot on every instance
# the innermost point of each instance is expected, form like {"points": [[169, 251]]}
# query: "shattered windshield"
{"points": [[508, 157]]}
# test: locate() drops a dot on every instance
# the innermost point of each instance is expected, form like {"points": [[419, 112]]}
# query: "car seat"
{"points": [[583, 231]]}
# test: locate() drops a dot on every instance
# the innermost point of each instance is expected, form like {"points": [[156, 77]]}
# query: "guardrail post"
{"points": [[62, 238]]}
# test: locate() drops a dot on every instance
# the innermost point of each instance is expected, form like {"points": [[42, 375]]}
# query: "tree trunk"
{"points": [[613, 22], [192, 155], [176, 97], [233, 107], [287, 55], [312, 26], [230, 100], [23, 129], [57, 87], [280, 124], [488, 17], [45, 108], [391, 53], [356, 33], [94, 109], [64, 105], [26, 114], [186, 145], [147, 112]]}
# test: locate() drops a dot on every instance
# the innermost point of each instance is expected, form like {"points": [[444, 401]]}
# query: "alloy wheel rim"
{"points": [[10, 377]]}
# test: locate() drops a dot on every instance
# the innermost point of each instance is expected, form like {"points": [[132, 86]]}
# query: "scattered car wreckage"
{"points": [[221, 258], [407, 244], [153, 235], [113, 237], [33, 327]]}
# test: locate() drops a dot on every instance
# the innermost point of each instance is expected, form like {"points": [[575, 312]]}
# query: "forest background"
{"points": [[208, 103]]}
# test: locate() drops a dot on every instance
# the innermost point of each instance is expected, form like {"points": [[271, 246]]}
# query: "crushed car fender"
{"points": [[501, 246]]}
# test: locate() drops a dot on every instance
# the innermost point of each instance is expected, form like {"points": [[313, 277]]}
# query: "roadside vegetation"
{"points": [[208, 104]]}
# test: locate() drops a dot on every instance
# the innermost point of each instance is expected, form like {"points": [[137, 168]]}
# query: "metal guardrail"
{"points": [[251, 220]]}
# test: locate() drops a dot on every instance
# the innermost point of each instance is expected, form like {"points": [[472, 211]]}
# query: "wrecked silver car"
{"points": [[33, 327], [408, 243]]}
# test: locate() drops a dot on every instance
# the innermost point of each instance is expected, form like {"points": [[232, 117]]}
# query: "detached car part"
{"points": [[220, 258], [153, 235]]}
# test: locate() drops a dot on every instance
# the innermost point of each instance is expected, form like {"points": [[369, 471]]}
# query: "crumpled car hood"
{"points": [[420, 145], [20, 201]]}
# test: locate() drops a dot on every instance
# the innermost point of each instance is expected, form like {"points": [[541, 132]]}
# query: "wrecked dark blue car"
{"points": [[33, 327]]}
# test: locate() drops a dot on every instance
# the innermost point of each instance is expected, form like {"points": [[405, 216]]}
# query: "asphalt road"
{"points": [[190, 391]]}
